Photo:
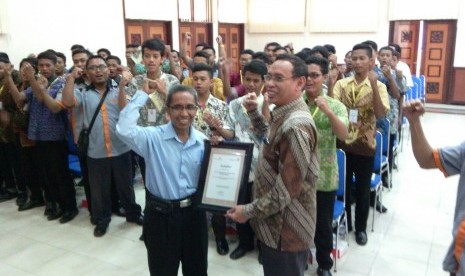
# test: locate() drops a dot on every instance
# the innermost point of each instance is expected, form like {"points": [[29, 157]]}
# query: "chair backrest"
{"points": [[379, 153], [408, 94], [416, 88], [423, 86], [341, 165], [384, 127]]}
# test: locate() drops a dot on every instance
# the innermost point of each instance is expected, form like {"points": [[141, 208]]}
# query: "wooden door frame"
{"points": [[447, 96], [146, 24]]}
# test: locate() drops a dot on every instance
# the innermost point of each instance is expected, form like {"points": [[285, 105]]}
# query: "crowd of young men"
{"points": [[293, 108]]}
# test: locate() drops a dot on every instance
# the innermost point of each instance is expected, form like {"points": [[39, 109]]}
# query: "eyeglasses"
{"points": [[100, 67], [180, 107], [275, 78], [314, 75]]}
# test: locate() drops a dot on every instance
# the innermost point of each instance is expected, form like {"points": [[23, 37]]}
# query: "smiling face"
{"points": [[315, 81], [97, 71], [281, 86], [181, 118], [152, 60]]}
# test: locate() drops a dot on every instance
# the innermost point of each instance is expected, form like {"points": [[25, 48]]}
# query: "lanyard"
{"points": [[315, 112], [240, 74], [1, 89], [353, 94]]}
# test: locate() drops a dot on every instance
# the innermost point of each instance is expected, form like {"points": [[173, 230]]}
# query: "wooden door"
{"points": [[439, 37], [201, 33], [134, 33], [233, 40], [137, 31], [405, 33]]}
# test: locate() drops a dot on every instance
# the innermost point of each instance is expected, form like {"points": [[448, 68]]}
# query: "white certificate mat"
{"points": [[224, 176]]}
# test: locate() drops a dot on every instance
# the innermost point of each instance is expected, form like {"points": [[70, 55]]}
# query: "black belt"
{"points": [[165, 206]]}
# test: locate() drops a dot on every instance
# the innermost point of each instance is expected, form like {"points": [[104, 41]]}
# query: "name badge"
{"points": [[353, 115], [152, 116]]}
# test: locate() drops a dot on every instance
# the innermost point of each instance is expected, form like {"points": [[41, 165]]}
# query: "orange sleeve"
{"points": [[437, 161]]}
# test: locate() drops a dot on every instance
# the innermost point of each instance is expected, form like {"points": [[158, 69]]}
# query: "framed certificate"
{"points": [[225, 169]]}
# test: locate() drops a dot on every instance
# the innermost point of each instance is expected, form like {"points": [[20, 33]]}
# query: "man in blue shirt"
{"points": [[173, 230]]}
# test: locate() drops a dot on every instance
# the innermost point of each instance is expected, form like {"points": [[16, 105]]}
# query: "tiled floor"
{"points": [[410, 239]]}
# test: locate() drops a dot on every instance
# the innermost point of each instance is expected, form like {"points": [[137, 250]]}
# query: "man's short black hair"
{"points": [[321, 62], [330, 48], [387, 48], [132, 45], [321, 50], [154, 44], [247, 52], [261, 56], [279, 48], [364, 46], [208, 47], [81, 51], [118, 60], [178, 89], [94, 57], [104, 50], [274, 44], [76, 46], [299, 68], [203, 67], [372, 44], [48, 55], [397, 47], [201, 44], [201, 53], [62, 56], [256, 66], [4, 57]]}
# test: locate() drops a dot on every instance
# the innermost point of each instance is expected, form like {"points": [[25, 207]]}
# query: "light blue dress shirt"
{"points": [[172, 167]]}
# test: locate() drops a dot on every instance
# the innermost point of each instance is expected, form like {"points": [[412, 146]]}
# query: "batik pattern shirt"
{"points": [[283, 211], [328, 179], [218, 109], [359, 97], [155, 105]]}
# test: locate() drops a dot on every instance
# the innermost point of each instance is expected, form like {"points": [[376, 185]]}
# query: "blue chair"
{"points": [[423, 88], [73, 161], [408, 94], [415, 87], [340, 214], [376, 182], [384, 127]]}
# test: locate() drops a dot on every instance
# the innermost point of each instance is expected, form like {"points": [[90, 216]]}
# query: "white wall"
{"points": [[35, 26], [334, 34], [339, 14]]}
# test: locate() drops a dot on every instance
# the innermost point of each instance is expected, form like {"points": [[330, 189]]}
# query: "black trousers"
{"points": [[138, 160], [244, 230], [362, 167], [324, 228], [53, 169], [29, 166], [115, 204], [10, 166], [101, 172], [279, 263], [177, 235]]}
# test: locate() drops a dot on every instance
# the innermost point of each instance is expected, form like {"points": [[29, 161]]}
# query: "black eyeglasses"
{"points": [[100, 67], [314, 75], [180, 107]]}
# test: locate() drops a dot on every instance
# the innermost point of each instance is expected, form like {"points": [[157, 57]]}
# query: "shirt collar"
{"points": [[170, 133], [279, 112]]}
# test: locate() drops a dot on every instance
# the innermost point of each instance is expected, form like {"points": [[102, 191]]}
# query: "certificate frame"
{"points": [[223, 174]]}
